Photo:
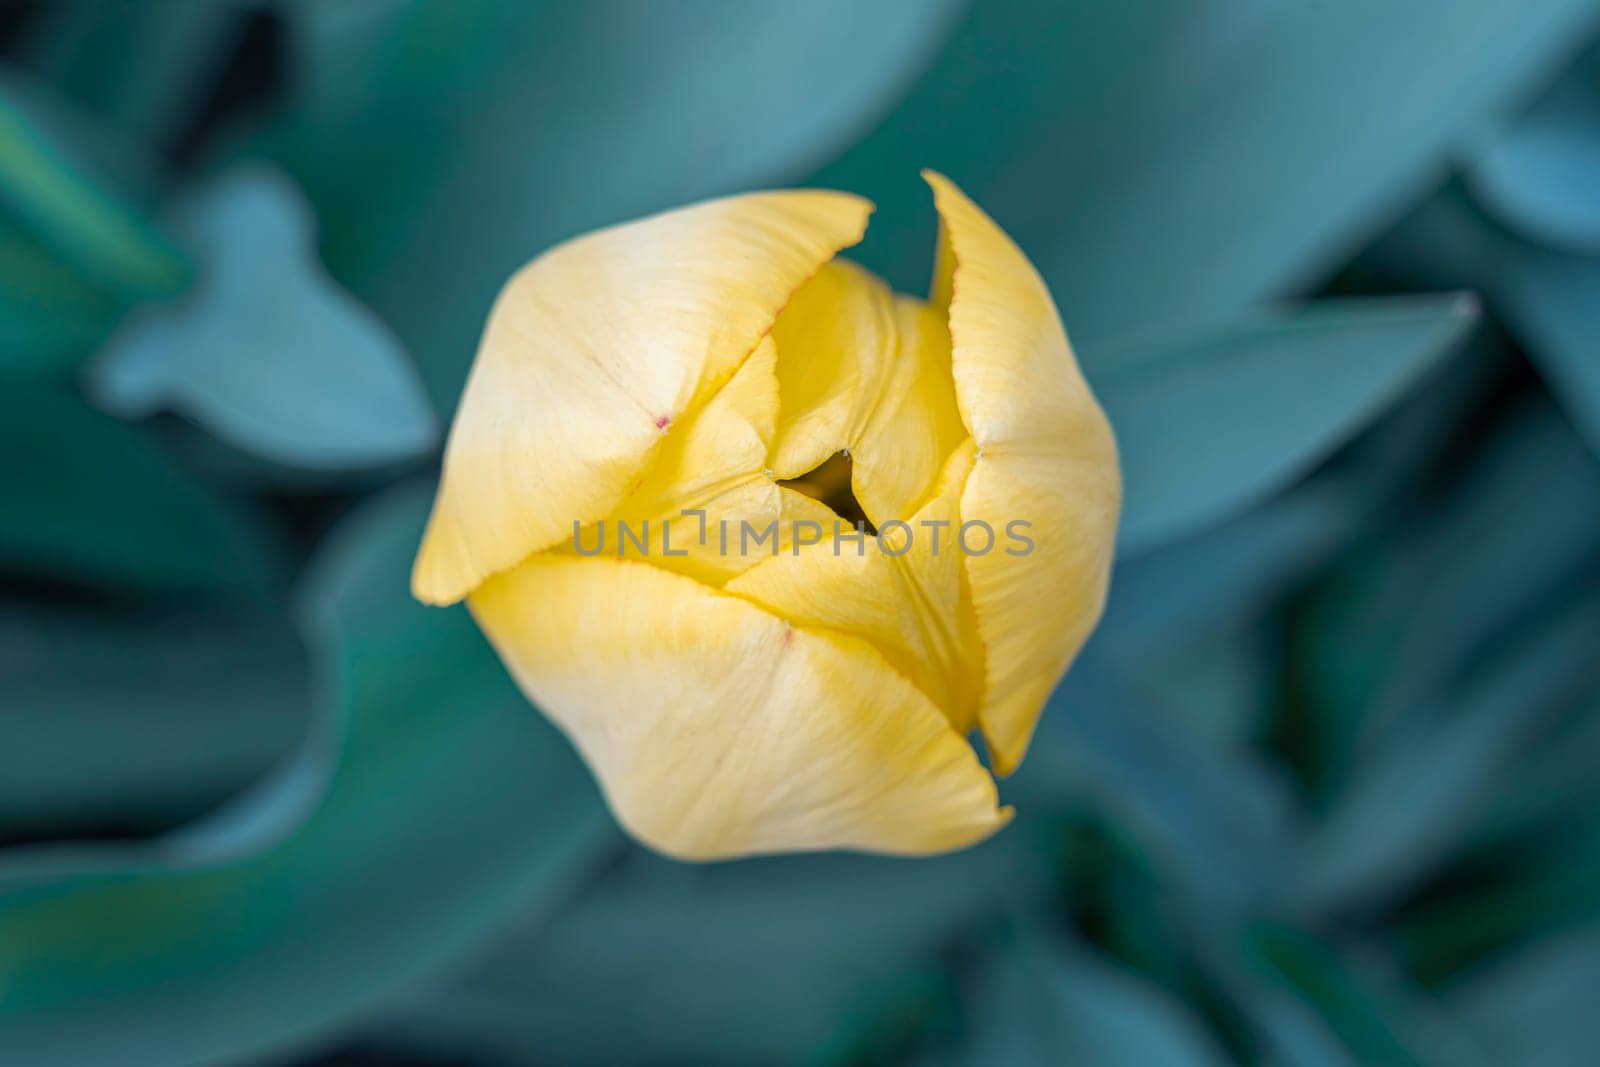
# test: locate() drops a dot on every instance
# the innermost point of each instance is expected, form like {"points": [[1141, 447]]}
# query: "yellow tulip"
{"points": [[713, 371]]}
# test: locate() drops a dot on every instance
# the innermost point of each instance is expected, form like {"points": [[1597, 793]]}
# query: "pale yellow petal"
{"points": [[595, 349], [714, 466], [915, 425], [717, 729], [709, 507], [863, 370], [907, 597], [1045, 457], [835, 342]]}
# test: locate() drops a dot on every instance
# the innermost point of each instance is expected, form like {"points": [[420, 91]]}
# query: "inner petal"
{"points": [[865, 372], [903, 592]]}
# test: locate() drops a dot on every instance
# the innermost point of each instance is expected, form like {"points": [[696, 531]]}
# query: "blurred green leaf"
{"points": [[1538, 175], [1554, 791], [452, 808], [91, 500], [107, 241], [1216, 819], [1053, 1003], [1010, 76], [1414, 800], [267, 351], [53, 313], [486, 132], [1222, 685], [1520, 898], [1228, 573], [139, 67], [1211, 419], [1552, 297], [1404, 452], [136, 721], [1246, 162], [1357, 1013], [50, 319], [1545, 295], [1287, 1029], [1390, 636], [1535, 1006], [760, 961]]}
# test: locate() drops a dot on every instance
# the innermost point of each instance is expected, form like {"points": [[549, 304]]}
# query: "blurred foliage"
{"points": [[1324, 789]]}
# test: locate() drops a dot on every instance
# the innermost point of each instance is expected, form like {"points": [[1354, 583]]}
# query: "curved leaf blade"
{"points": [[453, 806], [89, 499], [1211, 421]]}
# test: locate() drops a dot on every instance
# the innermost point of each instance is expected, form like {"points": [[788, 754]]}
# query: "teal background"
{"points": [[1323, 790]]}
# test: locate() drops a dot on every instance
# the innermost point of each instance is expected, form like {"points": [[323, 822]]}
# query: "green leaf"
{"points": [[1551, 300], [1216, 818], [761, 961], [1552, 793], [478, 134], [88, 227], [1288, 1030], [50, 318], [53, 310], [1538, 175], [1387, 641], [1222, 685], [452, 807], [268, 352], [1228, 573], [1210, 420], [1535, 1004], [1414, 800], [1544, 294], [1234, 168], [1372, 1023], [139, 67], [1051, 1004], [1520, 898], [1013, 80], [136, 721], [91, 500]]}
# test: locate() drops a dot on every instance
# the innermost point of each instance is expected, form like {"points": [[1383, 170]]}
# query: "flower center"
{"points": [[829, 483]]}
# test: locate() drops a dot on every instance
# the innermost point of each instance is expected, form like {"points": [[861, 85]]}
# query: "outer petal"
{"points": [[1045, 456], [860, 368], [594, 349], [717, 729]]}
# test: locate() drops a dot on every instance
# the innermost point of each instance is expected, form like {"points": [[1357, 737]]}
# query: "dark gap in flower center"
{"points": [[829, 482]]}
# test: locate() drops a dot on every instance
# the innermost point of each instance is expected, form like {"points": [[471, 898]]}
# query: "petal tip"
{"points": [[941, 184], [1002, 762], [434, 581]]}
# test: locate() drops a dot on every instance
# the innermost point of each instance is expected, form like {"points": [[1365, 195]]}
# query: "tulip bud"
{"points": [[767, 540]]}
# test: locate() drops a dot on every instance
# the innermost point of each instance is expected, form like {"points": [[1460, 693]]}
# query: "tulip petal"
{"points": [[915, 426], [835, 340], [715, 464], [907, 596], [862, 369], [1045, 456], [597, 347], [718, 729]]}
